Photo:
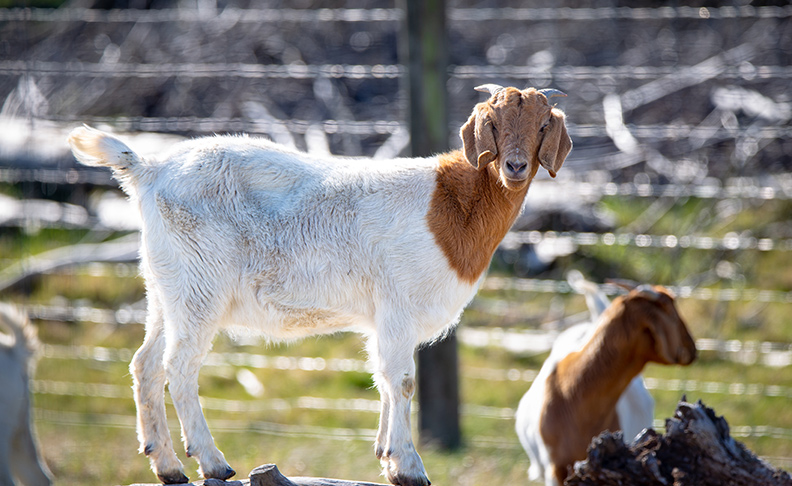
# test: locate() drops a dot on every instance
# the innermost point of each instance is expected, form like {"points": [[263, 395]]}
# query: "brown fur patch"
{"points": [[408, 387], [470, 213]]}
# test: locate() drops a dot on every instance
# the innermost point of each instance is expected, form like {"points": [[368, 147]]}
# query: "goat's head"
{"points": [[654, 309], [519, 131]]}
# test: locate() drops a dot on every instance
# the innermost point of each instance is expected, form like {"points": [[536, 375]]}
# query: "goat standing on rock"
{"points": [[587, 385], [242, 231]]}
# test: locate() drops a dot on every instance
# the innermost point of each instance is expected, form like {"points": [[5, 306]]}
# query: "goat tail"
{"points": [[24, 334], [100, 149]]}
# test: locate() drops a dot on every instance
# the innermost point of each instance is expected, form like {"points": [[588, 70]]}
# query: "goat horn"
{"points": [[492, 89], [549, 92]]}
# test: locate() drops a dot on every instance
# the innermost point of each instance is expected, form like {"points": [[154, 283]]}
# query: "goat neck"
{"points": [[470, 213], [615, 354]]}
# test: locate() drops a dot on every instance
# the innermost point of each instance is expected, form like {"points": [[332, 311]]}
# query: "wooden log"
{"points": [[269, 475], [696, 449]]}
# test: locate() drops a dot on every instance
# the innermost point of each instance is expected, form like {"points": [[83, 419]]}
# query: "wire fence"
{"points": [[736, 349], [109, 391], [234, 15], [230, 15], [199, 70], [361, 71]]}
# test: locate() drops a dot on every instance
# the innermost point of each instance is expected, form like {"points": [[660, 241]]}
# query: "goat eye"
{"points": [[541, 130]]}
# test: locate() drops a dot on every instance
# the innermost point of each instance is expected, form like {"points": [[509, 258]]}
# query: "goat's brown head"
{"points": [[653, 307], [519, 130]]}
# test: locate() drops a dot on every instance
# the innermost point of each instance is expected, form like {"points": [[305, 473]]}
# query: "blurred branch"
{"points": [[121, 250]]}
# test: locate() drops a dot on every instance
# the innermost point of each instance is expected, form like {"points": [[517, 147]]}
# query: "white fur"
{"points": [[241, 231], [19, 457], [635, 407]]}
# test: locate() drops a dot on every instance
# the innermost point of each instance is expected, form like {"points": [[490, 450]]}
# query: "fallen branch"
{"points": [[120, 250]]}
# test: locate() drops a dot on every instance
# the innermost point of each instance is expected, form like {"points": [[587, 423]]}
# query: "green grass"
{"points": [[82, 445], [91, 439]]}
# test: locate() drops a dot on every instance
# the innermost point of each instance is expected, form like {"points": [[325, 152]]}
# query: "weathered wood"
{"points": [[696, 449], [204, 482], [269, 475]]}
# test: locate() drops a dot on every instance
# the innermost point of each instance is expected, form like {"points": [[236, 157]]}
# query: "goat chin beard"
{"points": [[514, 184]]}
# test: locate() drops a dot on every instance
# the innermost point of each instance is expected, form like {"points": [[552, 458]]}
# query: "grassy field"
{"points": [[305, 421]]}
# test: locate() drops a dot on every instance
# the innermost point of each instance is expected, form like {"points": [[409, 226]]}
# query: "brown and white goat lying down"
{"points": [[242, 231], [19, 457], [574, 397]]}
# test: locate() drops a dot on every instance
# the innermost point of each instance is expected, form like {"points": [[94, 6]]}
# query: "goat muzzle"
{"points": [[516, 169]]}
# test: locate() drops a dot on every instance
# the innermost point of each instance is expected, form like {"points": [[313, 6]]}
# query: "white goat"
{"points": [[243, 231], [591, 381], [19, 457]]}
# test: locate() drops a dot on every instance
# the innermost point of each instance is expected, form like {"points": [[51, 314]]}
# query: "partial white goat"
{"points": [[19, 457], [590, 382], [242, 231]]}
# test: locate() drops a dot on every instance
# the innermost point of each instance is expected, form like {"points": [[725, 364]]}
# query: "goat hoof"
{"points": [[221, 475], [175, 478], [402, 480]]}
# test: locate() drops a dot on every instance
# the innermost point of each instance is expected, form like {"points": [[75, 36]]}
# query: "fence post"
{"points": [[425, 48]]}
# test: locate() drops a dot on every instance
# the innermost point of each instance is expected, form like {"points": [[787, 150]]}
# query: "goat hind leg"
{"points": [[148, 376], [183, 359]]}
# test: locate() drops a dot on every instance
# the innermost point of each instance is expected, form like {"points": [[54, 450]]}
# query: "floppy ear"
{"points": [[661, 345], [556, 143], [478, 139]]}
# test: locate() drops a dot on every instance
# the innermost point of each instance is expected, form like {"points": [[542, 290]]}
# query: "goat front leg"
{"points": [[148, 376], [184, 355], [396, 380]]}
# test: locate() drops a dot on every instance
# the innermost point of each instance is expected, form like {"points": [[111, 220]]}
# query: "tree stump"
{"points": [[696, 449]]}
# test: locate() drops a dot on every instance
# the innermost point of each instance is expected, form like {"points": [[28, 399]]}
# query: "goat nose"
{"points": [[516, 166], [687, 356]]}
